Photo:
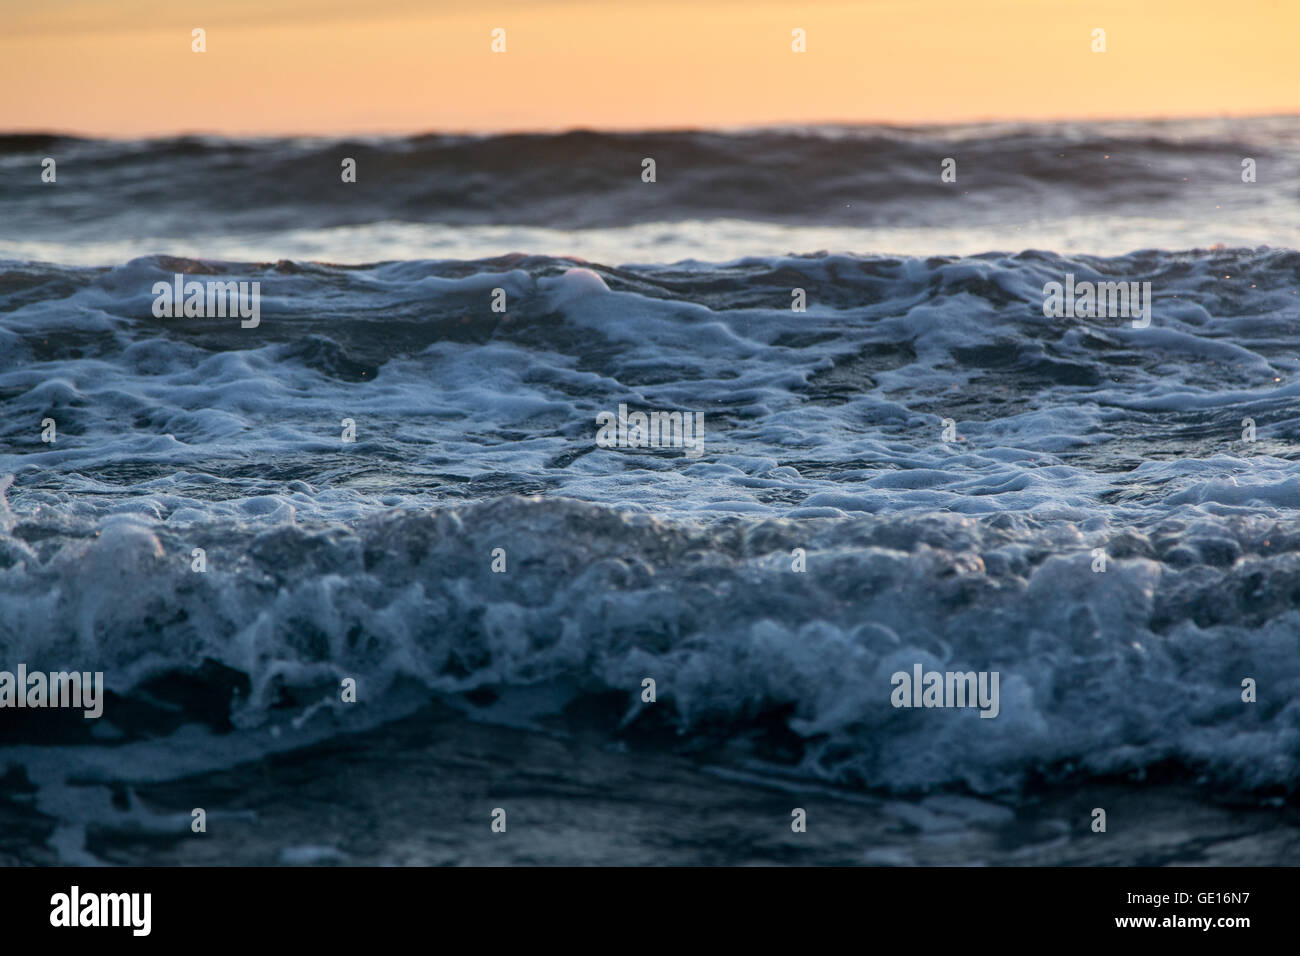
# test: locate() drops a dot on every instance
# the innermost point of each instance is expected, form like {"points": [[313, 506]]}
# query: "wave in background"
{"points": [[1105, 188]]}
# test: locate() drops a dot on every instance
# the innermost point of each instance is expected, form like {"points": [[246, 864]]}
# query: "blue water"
{"points": [[948, 458]]}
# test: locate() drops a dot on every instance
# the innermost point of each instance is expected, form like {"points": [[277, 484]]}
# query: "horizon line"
{"points": [[563, 130]]}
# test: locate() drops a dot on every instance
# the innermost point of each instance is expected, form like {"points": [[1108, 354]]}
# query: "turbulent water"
{"points": [[941, 459]]}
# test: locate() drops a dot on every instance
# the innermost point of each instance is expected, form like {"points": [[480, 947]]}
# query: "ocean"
{"points": [[392, 553]]}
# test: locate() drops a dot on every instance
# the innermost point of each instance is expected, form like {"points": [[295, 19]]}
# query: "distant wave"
{"points": [[1167, 185]]}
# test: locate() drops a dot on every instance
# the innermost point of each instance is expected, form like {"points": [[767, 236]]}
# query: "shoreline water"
{"points": [[421, 791]]}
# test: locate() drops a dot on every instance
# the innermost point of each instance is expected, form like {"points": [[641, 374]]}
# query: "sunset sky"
{"points": [[125, 68]]}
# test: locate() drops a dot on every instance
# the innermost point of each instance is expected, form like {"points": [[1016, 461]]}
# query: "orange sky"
{"points": [[125, 68]]}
